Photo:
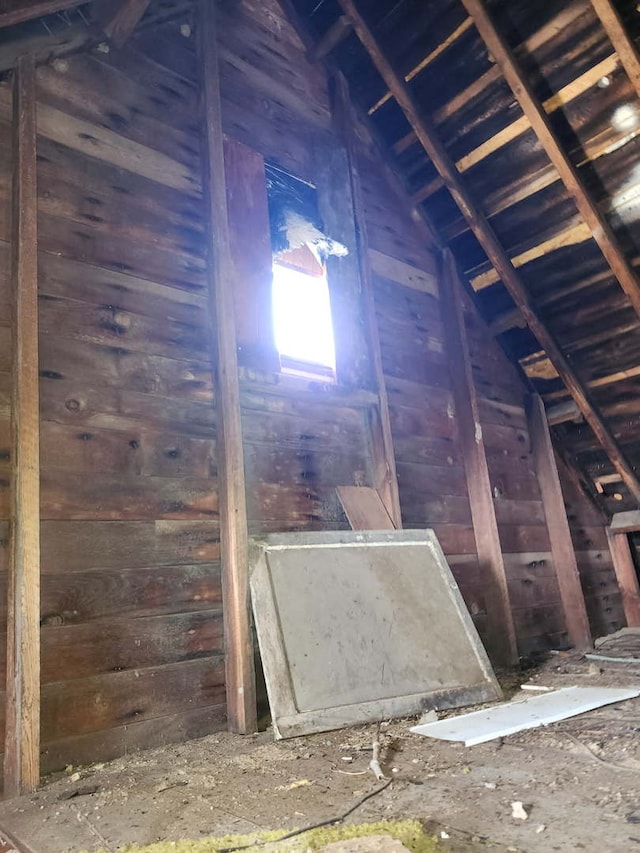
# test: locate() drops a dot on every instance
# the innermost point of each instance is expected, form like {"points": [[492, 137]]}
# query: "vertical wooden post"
{"points": [[240, 672], [564, 556], [626, 575], [22, 741], [384, 461], [502, 636]]}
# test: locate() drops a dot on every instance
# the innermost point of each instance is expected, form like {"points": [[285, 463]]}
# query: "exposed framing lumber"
{"points": [[119, 18], [620, 39], [624, 566], [336, 34], [22, 738], [626, 522], [382, 450], [521, 125], [571, 236], [563, 412], [427, 60], [502, 635], [564, 557], [550, 29], [534, 111], [240, 672], [487, 238], [16, 12]]}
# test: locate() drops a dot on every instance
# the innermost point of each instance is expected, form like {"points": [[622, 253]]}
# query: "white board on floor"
{"points": [[534, 711], [360, 626]]}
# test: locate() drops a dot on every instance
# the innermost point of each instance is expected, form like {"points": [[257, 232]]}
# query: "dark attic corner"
{"points": [[319, 425]]}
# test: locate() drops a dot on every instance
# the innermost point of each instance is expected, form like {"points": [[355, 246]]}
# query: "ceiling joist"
{"points": [[537, 116], [485, 235], [17, 11], [521, 125], [428, 59], [336, 34], [119, 18], [620, 39], [474, 90]]}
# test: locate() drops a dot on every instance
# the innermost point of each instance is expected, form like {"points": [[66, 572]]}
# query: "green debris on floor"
{"points": [[408, 832]]}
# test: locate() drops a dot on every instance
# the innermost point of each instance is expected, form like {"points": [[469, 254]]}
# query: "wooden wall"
{"points": [[131, 613], [431, 473], [300, 440], [601, 590], [531, 573]]}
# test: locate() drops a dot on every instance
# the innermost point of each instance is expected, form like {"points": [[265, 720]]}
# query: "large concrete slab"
{"points": [[359, 626]]}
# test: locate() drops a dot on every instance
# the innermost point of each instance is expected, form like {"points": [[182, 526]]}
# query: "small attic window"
{"points": [[302, 319]]}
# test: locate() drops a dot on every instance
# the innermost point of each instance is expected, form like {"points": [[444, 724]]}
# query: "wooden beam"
{"points": [[487, 238], [510, 319], [336, 33], [563, 412], [620, 39], [521, 125], [626, 522], [564, 557], [626, 575], [427, 60], [502, 636], [576, 233], [240, 673], [119, 18], [22, 739], [18, 11], [550, 29], [364, 508], [534, 111], [384, 461]]}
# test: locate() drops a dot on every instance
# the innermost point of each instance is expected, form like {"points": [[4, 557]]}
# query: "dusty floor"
{"points": [[579, 781]]}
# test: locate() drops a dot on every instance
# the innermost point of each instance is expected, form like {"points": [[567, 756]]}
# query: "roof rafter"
{"points": [[535, 113], [17, 12], [487, 238], [119, 18], [620, 39]]}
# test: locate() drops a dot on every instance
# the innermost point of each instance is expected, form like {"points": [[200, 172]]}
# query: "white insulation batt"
{"points": [[529, 713]]}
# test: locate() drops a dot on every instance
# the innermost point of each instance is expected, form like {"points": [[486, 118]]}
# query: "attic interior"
{"points": [[279, 276]]}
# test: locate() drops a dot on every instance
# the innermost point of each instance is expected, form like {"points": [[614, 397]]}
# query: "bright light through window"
{"points": [[302, 317]]}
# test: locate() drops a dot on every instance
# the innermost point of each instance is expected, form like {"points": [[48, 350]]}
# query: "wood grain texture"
{"points": [[250, 247], [564, 557], [22, 743], [502, 636], [16, 11], [240, 674], [626, 576], [490, 243], [385, 478], [596, 221], [620, 39], [120, 18], [364, 508]]}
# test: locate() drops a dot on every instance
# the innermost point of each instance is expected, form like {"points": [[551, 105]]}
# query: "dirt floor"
{"points": [[579, 781]]}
